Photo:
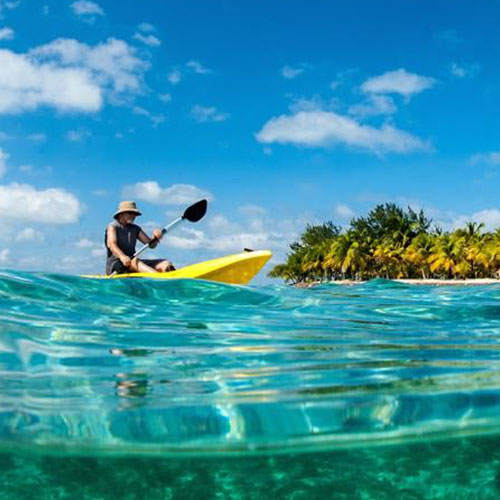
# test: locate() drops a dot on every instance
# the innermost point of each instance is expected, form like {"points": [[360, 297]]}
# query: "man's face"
{"points": [[128, 217]]}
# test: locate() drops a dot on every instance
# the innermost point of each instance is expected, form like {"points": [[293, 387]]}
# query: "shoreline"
{"points": [[416, 281]]}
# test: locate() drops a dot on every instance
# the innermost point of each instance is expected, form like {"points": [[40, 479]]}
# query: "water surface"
{"points": [[274, 385]]}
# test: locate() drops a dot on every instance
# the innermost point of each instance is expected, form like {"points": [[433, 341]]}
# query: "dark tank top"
{"points": [[126, 237]]}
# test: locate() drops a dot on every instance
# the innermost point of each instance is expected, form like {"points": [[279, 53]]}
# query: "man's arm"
{"points": [[113, 246], [144, 238]]}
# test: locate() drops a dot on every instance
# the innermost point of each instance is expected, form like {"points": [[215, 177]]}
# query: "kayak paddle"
{"points": [[194, 213]]}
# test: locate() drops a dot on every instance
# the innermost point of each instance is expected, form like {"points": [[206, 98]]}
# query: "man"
{"points": [[120, 238]]}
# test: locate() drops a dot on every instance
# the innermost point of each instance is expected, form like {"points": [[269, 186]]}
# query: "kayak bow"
{"points": [[236, 269]]}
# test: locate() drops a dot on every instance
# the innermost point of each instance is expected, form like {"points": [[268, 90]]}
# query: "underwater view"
{"points": [[194, 389]]}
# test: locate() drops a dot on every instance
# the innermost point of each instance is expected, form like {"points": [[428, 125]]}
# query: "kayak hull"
{"points": [[238, 269]]}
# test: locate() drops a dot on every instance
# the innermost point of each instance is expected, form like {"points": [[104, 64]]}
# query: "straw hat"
{"points": [[127, 206]]}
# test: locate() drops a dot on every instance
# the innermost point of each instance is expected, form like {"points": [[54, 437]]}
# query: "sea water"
{"points": [[183, 389]]}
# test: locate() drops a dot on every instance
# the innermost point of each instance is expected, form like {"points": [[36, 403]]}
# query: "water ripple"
{"points": [[180, 366]]}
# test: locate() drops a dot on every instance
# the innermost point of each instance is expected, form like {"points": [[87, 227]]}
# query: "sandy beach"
{"points": [[478, 281], [437, 282]]}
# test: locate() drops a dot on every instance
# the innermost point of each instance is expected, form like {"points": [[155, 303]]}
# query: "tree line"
{"points": [[391, 242]]}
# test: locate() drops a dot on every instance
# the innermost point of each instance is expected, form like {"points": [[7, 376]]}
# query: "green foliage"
{"points": [[316, 235], [390, 242]]}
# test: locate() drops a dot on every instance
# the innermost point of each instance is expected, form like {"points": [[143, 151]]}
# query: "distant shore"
{"points": [[441, 282]]}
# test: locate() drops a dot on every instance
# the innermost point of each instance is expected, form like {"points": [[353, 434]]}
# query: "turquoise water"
{"points": [[190, 389]]}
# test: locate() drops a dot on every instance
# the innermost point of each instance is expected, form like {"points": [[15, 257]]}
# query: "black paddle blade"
{"points": [[196, 212]]}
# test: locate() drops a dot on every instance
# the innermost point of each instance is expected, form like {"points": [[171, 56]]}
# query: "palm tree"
{"points": [[388, 257], [443, 257], [417, 253], [337, 254], [355, 261], [472, 230], [491, 253], [391, 242], [314, 258]]}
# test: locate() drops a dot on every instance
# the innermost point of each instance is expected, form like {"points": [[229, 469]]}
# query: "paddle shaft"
{"points": [[164, 231]]}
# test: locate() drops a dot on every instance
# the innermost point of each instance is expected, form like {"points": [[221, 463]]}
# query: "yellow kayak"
{"points": [[236, 269]]}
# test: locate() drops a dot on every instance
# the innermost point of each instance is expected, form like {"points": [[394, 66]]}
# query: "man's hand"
{"points": [[157, 236], [126, 261]]}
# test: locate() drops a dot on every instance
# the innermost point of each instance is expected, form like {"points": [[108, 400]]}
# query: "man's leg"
{"points": [[164, 266], [160, 265], [138, 266]]}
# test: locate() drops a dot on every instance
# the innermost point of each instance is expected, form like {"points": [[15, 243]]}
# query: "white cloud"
{"points": [[447, 220], [334, 84], [84, 243], [373, 106], [30, 169], [155, 119], [252, 210], [489, 217], [6, 33], [398, 82], [146, 27], [237, 242], [77, 135], [31, 262], [175, 77], [86, 8], [256, 224], [53, 205], [325, 128], [150, 40], [464, 70], [177, 194], [223, 235], [197, 67], [314, 103], [492, 158], [457, 70], [165, 97], [26, 85], [112, 63], [100, 192], [191, 240], [98, 252], [68, 263], [69, 76], [218, 222], [204, 114], [343, 211], [95, 249], [39, 137], [4, 256], [3, 162], [290, 73], [30, 234]]}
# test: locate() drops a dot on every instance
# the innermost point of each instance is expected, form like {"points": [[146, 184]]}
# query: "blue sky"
{"points": [[282, 113]]}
